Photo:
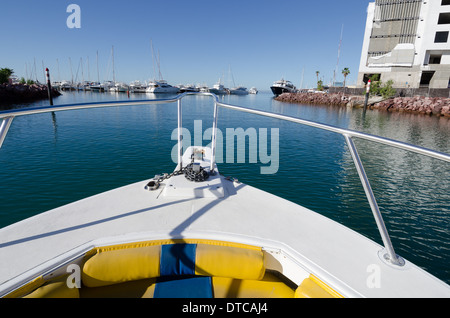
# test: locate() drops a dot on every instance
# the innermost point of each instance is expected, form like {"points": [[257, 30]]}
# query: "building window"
{"points": [[426, 78], [444, 18], [445, 2], [435, 59], [441, 37]]}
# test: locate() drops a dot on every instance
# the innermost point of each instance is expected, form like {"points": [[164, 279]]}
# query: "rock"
{"points": [[418, 104], [19, 93]]}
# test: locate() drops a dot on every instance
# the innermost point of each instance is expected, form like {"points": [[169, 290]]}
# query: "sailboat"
{"points": [[115, 86], [237, 90], [160, 85]]}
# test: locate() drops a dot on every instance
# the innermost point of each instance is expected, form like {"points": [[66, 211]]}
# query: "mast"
{"points": [[339, 53], [159, 68], [82, 73], [59, 75], [301, 83], [89, 71], [71, 72], [114, 74], [98, 74], [153, 60], [35, 72]]}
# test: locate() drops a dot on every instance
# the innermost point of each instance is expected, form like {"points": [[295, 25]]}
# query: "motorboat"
{"points": [[66, 86], [96, 87], [203, 88], [218, 89], [119, 88], [137, 87], [253, 90], [188, 88], [282, 86], [239, 91], [56, 85], [107, 85], [194, 232], [161, 86]]}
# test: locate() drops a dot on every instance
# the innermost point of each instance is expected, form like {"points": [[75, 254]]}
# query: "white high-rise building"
{"points": [[408, 42]]}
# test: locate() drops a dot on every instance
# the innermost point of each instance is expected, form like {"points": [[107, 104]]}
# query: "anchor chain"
{"points": [[192, 174], [195, 174]]}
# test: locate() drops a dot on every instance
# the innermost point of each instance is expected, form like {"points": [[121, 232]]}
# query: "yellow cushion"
{"points": [[269, 287], [227, 261], [27, 288], [143, 288], [313, 287], [121, 263], [55, 289], [118, 266]]}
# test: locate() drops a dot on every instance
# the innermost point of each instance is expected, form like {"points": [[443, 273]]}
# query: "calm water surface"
{"points": [[52, 159]]}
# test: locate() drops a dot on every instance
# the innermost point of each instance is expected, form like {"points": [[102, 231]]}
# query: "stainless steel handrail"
{"points": [[390, 256]]}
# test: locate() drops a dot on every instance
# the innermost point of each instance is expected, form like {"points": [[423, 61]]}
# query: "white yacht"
{"points": [[203, 88], [96, 87], [107, 85], [56, 85], [196, 233], [239, 91], [66, 86], [253, 90], [161, 86], [283, 86], [119, 88], [218, 89], [188, 88], [102, 87], [137, 87]]}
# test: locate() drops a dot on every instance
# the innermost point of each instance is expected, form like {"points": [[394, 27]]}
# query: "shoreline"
{"points": [[22, 93], [432, 106]]}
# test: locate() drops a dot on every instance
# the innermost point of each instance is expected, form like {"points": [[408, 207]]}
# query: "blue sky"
{"points": [[198, 41]]}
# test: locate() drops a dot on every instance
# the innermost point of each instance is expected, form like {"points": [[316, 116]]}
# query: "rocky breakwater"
{"points": [[438, 106], [336, 99], [18, 93]]}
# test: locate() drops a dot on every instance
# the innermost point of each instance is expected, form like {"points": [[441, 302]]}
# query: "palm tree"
{"points": [[345, 72], [317, 74], [5, 73]]}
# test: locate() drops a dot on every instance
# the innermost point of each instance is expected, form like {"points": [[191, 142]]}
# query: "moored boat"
{"points": [[137, 87], [218, 89], [239, 91], [282, 86], [161, 86]]}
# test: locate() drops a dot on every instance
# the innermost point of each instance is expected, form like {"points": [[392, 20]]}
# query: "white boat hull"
{"points": [[163, 90]]}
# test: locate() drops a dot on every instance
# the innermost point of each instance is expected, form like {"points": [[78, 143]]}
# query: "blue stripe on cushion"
{"points": [[192, 287], [177, 259]]}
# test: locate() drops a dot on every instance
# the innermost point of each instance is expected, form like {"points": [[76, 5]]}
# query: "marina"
{"points": [[321, 188]]}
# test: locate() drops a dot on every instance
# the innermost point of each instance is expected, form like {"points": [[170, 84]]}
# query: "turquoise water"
{"points": [[52, 159]]}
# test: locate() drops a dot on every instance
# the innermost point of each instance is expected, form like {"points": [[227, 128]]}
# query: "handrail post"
{"points": [[392, 257], [4, 127], [213, 141], [180, 137]]}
